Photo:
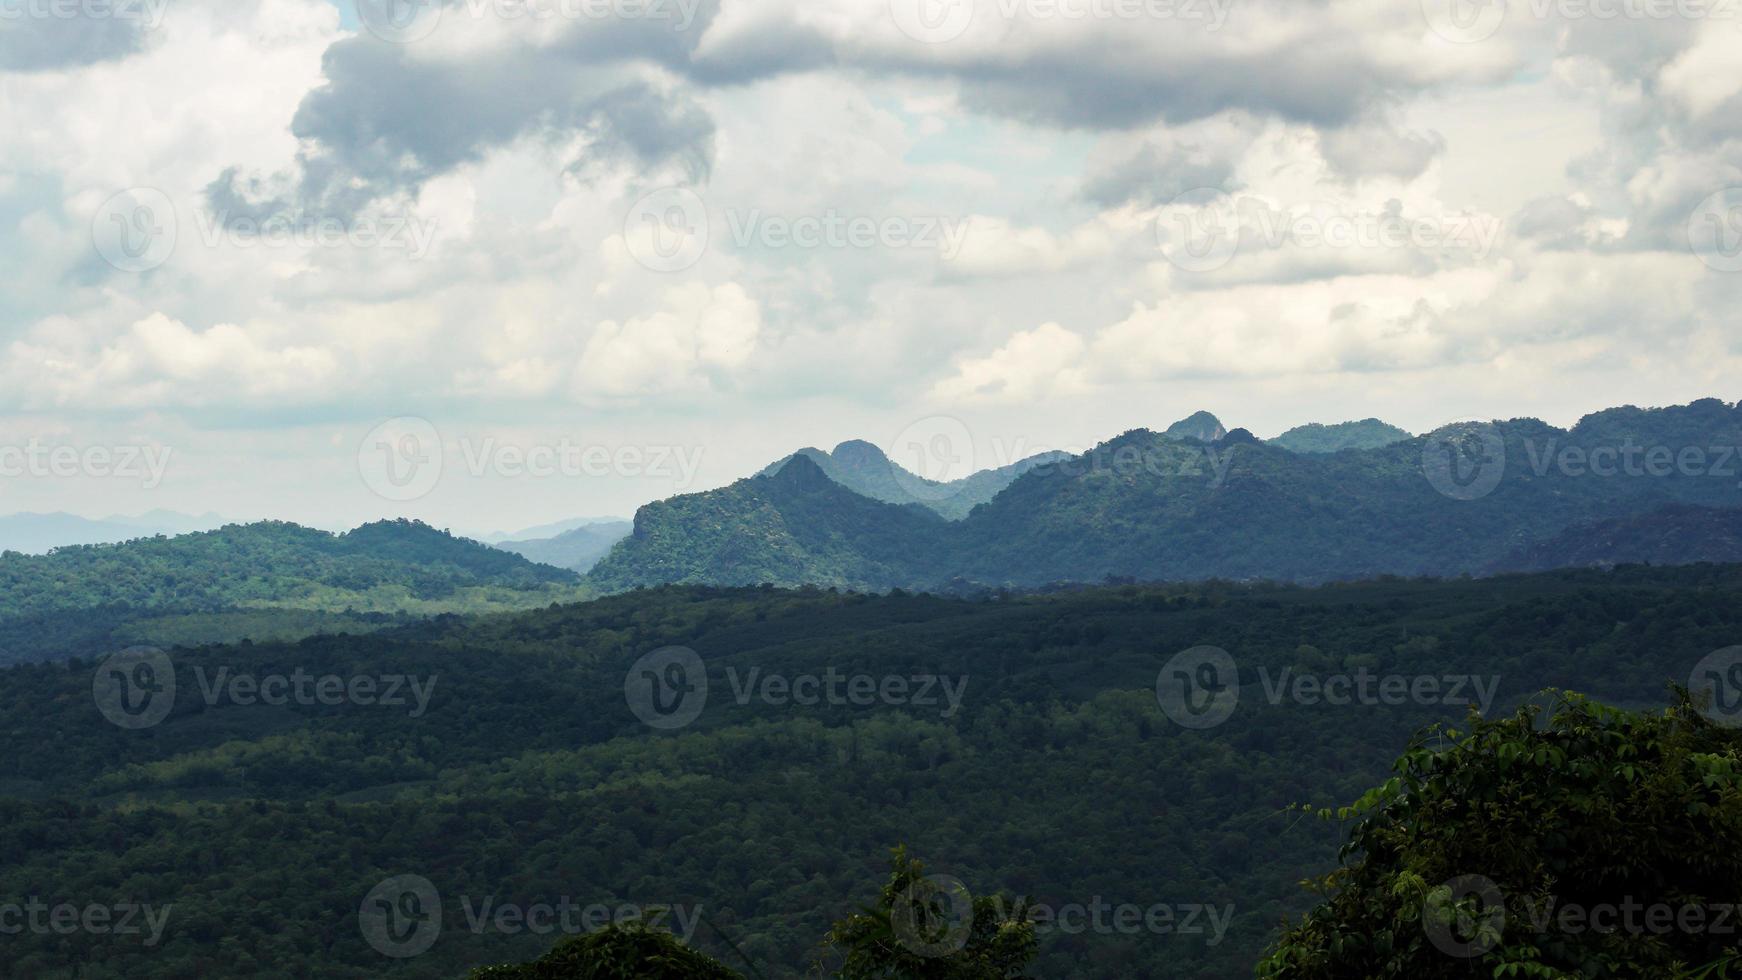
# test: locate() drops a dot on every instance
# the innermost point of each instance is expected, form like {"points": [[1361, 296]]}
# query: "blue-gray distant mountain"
{"points": [[865, 469], [1317, 438], [578, 549], [1154, 506], [34, 534]]}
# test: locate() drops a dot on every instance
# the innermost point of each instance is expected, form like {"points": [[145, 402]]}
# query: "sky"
{"points": [[492, 263]]}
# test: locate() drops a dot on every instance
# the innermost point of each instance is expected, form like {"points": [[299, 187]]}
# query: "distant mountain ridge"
{"points": [[1172, 507], [577, 549], [1315, 437], [867, 470], [35, 534]]}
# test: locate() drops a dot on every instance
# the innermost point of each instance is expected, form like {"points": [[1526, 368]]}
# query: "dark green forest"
{"points": [[528, 779]]}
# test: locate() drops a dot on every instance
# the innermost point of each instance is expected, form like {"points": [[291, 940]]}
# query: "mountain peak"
{"points": [[1197, 427], [855, 452]]}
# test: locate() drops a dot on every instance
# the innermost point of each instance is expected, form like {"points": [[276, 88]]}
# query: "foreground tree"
{"points": [[615, 953], [930, 928], [1602, 843]]}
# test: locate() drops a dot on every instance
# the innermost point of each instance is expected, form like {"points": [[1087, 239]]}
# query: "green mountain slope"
{"points": [[796, 525], [1318, 438], [73, 598]]}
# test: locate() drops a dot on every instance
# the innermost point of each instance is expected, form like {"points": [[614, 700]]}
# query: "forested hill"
{"points": [[382, 568], [514, 765], [1170, 506]]}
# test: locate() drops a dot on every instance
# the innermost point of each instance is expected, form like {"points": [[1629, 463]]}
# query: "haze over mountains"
{"points": [[1196, 501], [33, 534]]}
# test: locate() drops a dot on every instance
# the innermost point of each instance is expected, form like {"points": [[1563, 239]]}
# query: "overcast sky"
{"points": [[656, 244]]}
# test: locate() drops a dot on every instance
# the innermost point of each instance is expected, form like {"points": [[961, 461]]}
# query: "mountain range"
{"points": [[1198, 501], [34, 534]]}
